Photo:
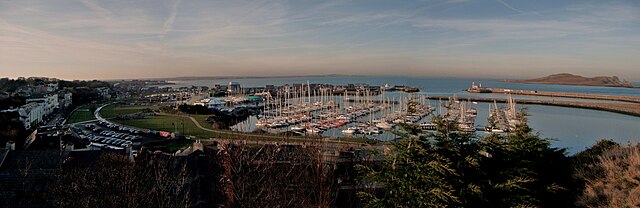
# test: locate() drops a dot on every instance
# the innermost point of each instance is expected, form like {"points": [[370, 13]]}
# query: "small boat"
{"points": [[314, 130], [493, 130], [384, 125], [388, 87], [297, 128], [372, 130], [261, 123], [398, 121], [348, 131]]}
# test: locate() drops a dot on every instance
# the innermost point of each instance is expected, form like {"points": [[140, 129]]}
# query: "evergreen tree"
{"points": [[452, 168]]}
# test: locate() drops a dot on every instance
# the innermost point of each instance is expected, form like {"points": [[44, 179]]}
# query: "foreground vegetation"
{"points": [[445, 168], [450, 168], [520, 169], [170, 145]]}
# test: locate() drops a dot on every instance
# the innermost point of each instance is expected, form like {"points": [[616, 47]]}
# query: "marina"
{"points": [[434, 90], [375, 115], [304, 111]]}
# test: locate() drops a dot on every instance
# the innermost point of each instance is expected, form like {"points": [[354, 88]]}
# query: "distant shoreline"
{"points": [[571, 79], [190, 78], [550, 83]]}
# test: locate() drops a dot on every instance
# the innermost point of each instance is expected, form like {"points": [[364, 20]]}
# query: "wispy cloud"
{"points": [[132, 38], [95, 7], [168, 24], [511, 28], [510, 7]]}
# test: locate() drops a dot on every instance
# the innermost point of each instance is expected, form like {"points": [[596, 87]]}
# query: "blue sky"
{"points": [[91, 39]]}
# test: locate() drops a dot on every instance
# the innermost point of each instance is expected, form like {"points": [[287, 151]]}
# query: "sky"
{"points": [[122, 39]]}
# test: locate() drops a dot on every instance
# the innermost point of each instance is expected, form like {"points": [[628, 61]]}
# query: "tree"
{"points": [[453, 168], [422, 173], [277, 176], [113, 181], [523, 170]]}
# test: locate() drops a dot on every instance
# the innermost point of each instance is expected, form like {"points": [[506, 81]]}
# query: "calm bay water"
{"points": [[574, 129]]}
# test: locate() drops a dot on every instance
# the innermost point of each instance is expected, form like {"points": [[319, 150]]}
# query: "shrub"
{"points": [[619, 181]]}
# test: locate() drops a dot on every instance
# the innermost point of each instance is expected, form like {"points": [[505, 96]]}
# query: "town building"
{"points": [[105, 92], [234, 87], [211, 103], [29, 114], [52, 87], [50, 102], [65, 99]]}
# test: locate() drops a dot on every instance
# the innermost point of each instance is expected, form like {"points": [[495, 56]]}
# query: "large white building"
{"points": [[31, 114], [50, 103], [210, 103]]}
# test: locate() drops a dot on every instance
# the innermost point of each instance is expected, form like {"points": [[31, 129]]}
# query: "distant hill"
{"points": [[571, 79]]}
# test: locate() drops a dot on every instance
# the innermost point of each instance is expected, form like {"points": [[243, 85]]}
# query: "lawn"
{"points": [[170, 124], [113, 111], [202, 120], [81, 114]]}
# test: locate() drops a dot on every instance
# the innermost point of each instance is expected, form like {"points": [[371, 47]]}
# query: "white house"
{"points": [[49, 102], [31, 114]]}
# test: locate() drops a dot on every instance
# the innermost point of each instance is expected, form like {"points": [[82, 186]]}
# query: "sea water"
{"points": [[571, 128]]}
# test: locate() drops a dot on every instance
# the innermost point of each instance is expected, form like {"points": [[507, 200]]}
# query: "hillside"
{"points": [[570, 79]]}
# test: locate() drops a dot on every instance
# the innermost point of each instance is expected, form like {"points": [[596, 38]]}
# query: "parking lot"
{"points": [[101, 134]]}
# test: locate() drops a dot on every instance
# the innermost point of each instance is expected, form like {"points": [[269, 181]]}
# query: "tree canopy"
{"points": [[451, 168]]}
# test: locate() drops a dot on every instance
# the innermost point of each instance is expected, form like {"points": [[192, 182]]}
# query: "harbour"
{"points": [[433, 90]]}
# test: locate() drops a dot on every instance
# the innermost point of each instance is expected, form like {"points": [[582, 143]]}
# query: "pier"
{"points": [[632, 109], [631, 99]]}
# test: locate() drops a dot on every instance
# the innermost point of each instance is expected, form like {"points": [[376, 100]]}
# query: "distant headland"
{"points": [[571, 79]]}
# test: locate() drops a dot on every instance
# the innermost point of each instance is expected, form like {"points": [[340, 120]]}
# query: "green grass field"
{"points": [[80, 115], [113, 111], [202, 120], [170, 124]]}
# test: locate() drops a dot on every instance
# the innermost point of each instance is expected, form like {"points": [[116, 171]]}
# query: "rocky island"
{"points": [[571, 79]]}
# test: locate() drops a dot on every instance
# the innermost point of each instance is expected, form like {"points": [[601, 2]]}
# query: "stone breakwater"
{"points": [[632, 109], [631, 99]]}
